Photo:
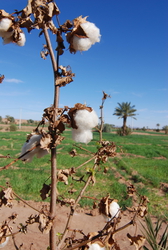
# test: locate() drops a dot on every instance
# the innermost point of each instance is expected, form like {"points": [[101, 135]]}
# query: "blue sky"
{"points": [[130, 63]]}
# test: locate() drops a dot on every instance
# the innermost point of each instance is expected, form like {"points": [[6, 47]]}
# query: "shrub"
{"points": [[12, 127], [144, 129], [127, 131], [107, 128], [157, 130]]}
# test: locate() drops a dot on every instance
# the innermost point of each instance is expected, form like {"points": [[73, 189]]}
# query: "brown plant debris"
{"points": [[138, 241]]}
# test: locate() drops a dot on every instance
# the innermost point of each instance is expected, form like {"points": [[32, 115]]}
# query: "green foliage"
{"points": [[141, 163], [119, 131], [0, 118], [107, 128], [10, 119], [151, 234], [12, 127]]}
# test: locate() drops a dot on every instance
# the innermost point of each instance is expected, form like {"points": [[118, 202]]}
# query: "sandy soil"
{"points": [[83, 220]]}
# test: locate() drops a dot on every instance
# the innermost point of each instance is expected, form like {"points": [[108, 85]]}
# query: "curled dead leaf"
{"points": [[6, 197], [45, 191], [138, 241]]}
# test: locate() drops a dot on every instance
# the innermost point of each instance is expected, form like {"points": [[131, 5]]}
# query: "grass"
{"points": [[143, 163]]}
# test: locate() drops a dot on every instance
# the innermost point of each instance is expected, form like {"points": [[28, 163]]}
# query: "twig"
{"points": [[28, 151], [73, 210]]}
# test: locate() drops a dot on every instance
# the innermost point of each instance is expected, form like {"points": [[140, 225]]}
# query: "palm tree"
{"points": [[125, 110]]}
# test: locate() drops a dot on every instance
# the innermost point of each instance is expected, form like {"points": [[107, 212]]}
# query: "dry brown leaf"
{"points": [[1, 78], [73, 152], [45, 191], [6, 197], [45, 141], [45, 224], [138, 241]]}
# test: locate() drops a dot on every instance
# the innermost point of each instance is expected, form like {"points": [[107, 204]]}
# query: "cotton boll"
{"points": [[91, 31], [85, 119], [81, 44], [4, 243], [96, 246], [5, 24], [114, 209], [22, 39], [7, 40], [41, 152], [33, 141], [84, 136]]}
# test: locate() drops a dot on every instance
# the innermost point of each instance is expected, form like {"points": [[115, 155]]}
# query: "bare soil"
{"points": [[82, 220]]}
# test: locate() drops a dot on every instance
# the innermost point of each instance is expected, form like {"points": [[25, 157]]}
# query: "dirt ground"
{"points": [[82, 220]]}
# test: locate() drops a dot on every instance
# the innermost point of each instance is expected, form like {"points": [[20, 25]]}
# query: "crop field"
{"points": [[141, 160]]}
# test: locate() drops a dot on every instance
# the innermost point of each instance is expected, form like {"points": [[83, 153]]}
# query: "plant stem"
{"points": [[53, 150]]}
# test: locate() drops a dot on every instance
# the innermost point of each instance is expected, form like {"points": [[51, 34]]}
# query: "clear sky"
{"points": [[130, 63]]}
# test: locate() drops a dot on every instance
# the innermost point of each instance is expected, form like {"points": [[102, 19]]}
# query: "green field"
{"points": [[141, 160]]}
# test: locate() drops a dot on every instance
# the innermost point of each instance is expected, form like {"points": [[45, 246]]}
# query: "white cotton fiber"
{"points": [[22, 39], [96, 246], [85, 119], [39, 152], [84, 136], [4, 243], [114, 209], [81, 44], [7, 40], [91, 31], [5, 24]]}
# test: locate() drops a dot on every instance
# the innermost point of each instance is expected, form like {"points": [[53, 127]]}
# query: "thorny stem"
{"points": [[53, 150]]}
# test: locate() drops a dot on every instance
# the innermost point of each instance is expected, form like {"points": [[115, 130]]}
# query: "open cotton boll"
{"points": [[5, 24], [4, 243], [7, 40], [91, 31], [85, 119], [96, 246], [22, 39], [84, 136], [81, 44], [39, 152], [114, 209]]}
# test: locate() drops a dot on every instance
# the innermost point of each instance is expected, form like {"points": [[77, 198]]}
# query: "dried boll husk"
{"points": [[5, 28], [32, 142]]}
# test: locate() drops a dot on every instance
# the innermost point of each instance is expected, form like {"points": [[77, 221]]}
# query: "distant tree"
{"points": [[158, 125], [165, 128], [125, 110], [30, 121], [10, 119], [0, 118]]}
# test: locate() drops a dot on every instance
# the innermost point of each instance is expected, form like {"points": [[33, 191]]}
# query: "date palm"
{"points": [[125, 110]]}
